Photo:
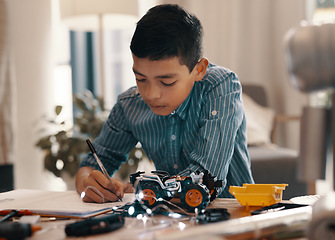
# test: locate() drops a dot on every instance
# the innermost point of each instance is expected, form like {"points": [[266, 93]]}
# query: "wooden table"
{"points": [[156, 227]]}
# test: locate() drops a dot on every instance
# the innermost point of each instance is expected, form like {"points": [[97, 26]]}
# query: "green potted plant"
{"points": [[65, 146]]}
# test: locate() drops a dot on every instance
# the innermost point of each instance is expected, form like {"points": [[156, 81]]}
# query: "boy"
{"points": [[187, 113]]}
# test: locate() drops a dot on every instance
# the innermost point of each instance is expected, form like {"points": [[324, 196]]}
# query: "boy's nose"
{"points": [[153, 91]]}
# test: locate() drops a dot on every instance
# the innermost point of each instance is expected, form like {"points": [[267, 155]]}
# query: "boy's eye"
{"points": [[168, 84], [140, 80]]}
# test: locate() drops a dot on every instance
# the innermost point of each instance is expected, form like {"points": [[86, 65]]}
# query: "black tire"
{"points": [[195, 196], [150, 191]]}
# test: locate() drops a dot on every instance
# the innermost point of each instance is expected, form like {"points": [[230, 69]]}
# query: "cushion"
{"points": [[259, 121]]}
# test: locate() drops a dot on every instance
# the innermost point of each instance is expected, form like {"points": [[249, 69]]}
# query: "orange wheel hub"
{"points": [[149, 195], [193, 197]]}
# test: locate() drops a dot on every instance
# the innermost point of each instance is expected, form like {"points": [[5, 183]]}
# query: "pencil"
{"points": [[99, 162]]}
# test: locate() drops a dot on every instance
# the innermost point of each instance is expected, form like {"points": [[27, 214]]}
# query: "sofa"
{"points": [[270, 163]]}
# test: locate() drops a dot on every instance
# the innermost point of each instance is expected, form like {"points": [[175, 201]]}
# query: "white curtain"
{"points": [[6, 92], [247, 37]]}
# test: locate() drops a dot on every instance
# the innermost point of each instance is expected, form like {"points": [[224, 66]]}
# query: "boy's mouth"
{"points": [[156, 106]]}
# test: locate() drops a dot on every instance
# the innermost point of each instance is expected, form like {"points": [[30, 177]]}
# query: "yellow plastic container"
{"points": [[258, 194]]}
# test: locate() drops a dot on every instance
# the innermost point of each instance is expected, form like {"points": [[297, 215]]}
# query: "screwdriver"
{"points": [[17, 231]]}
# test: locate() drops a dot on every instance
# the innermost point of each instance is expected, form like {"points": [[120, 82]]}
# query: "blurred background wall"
{"points": [[245, 36]]}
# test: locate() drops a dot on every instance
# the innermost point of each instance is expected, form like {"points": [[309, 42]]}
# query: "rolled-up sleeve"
{"points": [[114, 142]]}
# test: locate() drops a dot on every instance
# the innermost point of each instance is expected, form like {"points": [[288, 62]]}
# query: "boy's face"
{"points": [[163, 84]]}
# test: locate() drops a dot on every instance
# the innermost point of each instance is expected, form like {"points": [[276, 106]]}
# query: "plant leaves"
{"points": [[68, 144]]}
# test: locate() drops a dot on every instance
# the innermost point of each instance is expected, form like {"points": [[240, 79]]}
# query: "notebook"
{"points": [[57, 204]]}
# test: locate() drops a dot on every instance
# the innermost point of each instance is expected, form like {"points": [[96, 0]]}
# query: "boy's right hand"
{"points": [[94, 186]]}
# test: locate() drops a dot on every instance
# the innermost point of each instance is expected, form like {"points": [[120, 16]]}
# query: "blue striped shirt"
{"points": [[207, 131]]}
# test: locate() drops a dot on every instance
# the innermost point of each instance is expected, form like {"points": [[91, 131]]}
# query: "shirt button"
{"points": [[214, 112], [173, 137], [175, 166]]}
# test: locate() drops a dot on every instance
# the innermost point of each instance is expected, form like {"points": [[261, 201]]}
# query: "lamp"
{"points": [[310, 52], [99, 15]]}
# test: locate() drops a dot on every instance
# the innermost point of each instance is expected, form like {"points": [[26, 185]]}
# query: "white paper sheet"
{"points": [[54, 203]]}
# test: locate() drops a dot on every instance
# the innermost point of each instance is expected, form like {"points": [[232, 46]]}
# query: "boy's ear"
{"points": [[201, 68]]}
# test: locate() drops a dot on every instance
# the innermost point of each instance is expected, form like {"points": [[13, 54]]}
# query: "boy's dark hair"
{"points": [[167, 31]]}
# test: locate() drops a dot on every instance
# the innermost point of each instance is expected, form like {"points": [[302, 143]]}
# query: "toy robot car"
{"points": [[194, 191]]}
